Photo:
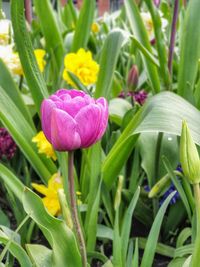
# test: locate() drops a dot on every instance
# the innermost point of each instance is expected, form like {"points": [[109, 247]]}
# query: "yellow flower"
{"points": [[11, 59], [82, 65], [43, 145], [51, 201], [5, 30], [95, 27], [40, 54]]}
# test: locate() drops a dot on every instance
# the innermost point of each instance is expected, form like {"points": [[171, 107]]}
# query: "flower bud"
{"points": [[118, 192], [133, 75], [156, 3], [189, 156]]}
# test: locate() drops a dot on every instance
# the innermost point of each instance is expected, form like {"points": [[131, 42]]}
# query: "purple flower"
{"points": [[7, 145], [140, 96], [71, 119]]}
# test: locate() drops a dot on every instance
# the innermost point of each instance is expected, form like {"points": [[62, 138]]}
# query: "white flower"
{"points": [[149, 23], [11, 59], [5, 31]]}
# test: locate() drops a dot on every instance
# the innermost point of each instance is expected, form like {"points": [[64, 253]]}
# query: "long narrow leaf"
{"points": [[150, 249], [25, 49]]}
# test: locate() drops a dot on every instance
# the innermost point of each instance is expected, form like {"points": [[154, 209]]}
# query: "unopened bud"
{"points": [[118, 192], [156, 3], [189, 156], [133, 78]]}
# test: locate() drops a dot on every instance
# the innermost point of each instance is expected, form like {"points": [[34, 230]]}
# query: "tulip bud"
{"points": [[118, 193], [189, 156], [156, 3], [133, 75]]}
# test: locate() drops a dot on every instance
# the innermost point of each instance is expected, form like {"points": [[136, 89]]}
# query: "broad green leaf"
{"points": [[117, 109], [11, 181], [3, 217], [177, 262], [50, 29], [150, 248], [152, 148], [190, 51], [32, 73], [41, 256], [138, 28], [16, 250], [108, 61], [83, 26], [23, 133], [8, 84], [62, 240], [161, 113]]}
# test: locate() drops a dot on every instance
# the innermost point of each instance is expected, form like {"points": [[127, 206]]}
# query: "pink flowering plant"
{"points": [[99, 127]]}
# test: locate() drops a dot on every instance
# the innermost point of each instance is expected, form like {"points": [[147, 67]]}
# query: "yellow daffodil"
{"points": [[40, 54], [43, 145], [82, 65], [5, 30], [51, 201], [95, 27]]}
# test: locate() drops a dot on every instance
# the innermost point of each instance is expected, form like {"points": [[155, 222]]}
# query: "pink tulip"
{"points": [[71, 119]]}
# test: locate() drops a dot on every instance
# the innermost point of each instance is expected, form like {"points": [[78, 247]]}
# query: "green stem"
{"points": [[73, 206], [196, 252]]}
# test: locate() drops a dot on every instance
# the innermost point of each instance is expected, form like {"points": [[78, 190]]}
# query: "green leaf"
{"points": [[83, 26], [3, 218], [59, 235], [160, 41], [108, 61], [150, 248], [177, 185], [8, 84], [40, 255], [154, 116], [190, 51], [117, 109], [11, 181], [25, 49], [16, 250], [23, 133], [127, 224], [50, 30], [138, 28]]}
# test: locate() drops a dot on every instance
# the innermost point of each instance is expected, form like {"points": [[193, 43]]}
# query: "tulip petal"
{"points": [[73, 93], [46, 110], [64, 136], [88, 120], [103, 104]]}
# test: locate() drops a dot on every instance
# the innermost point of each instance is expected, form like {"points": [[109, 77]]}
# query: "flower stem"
{"points": [[75, 219], [196, 252], [173, 35]]}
